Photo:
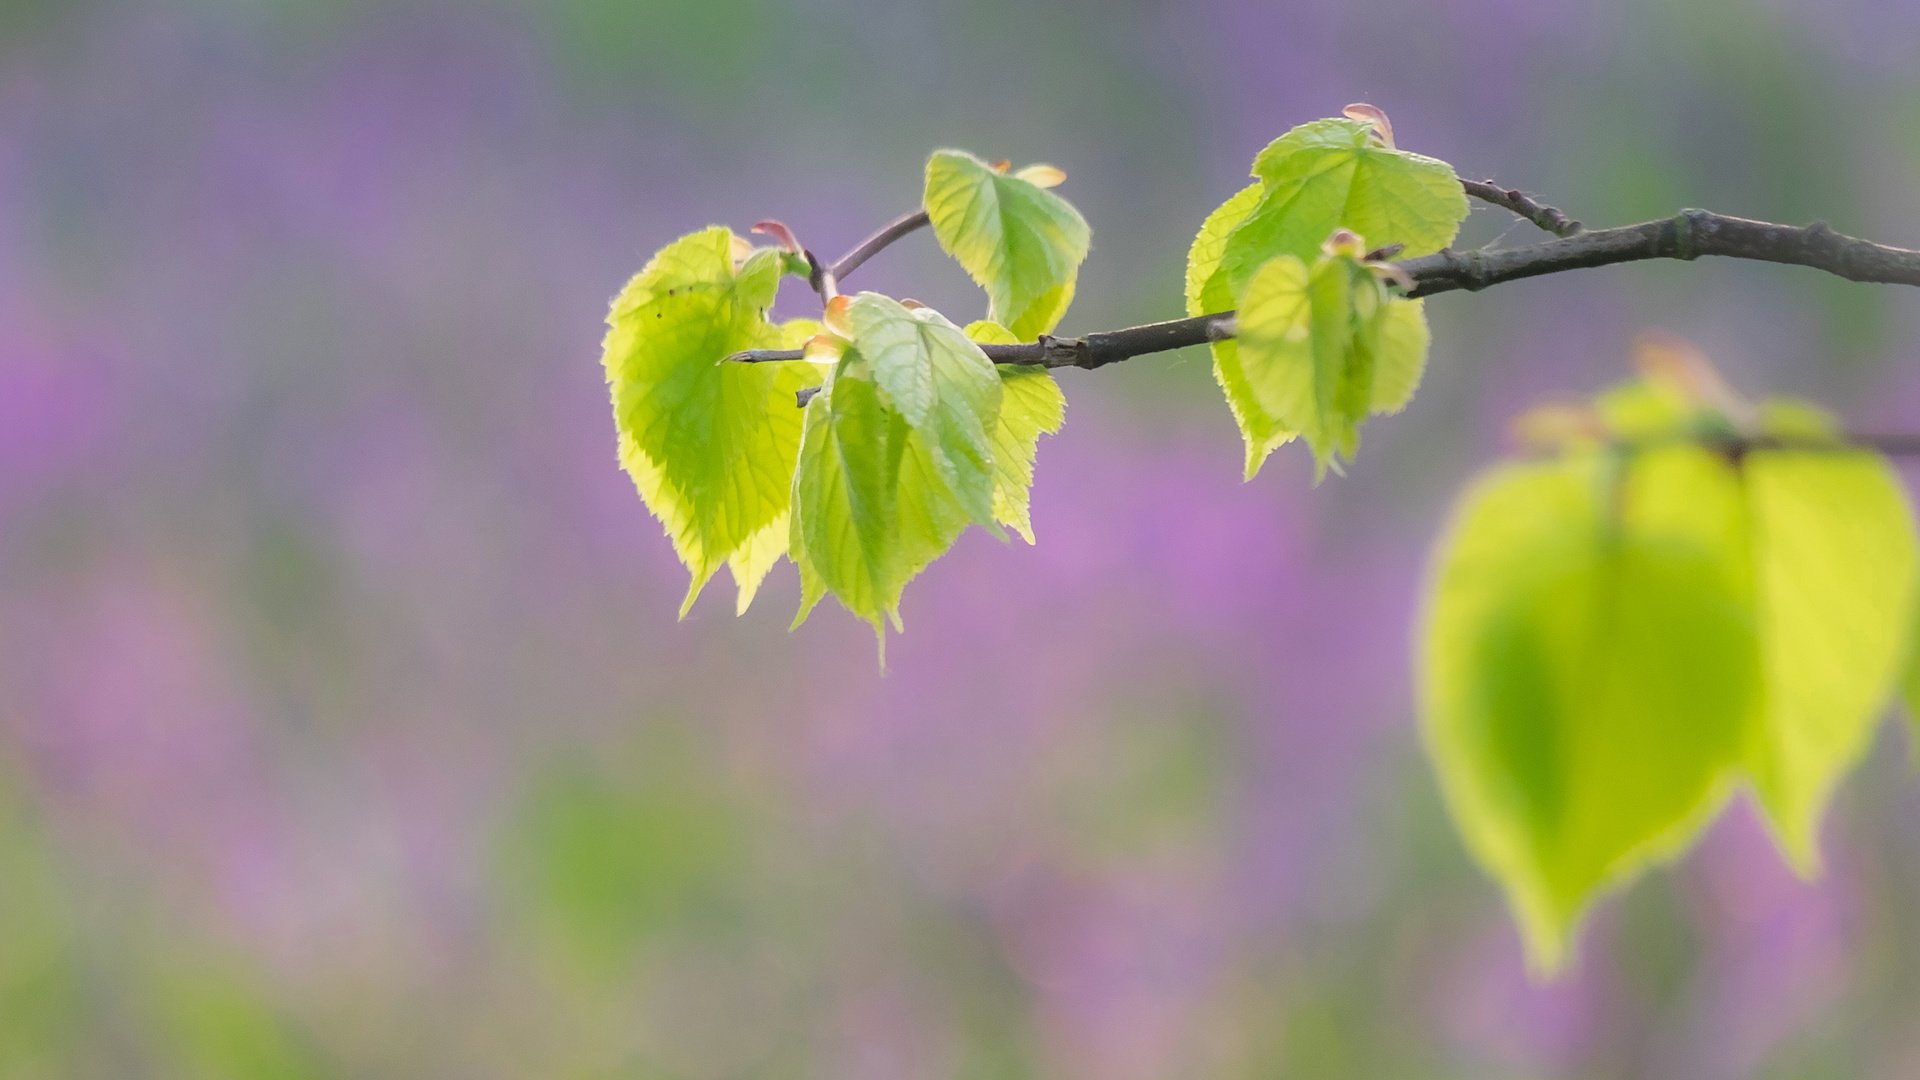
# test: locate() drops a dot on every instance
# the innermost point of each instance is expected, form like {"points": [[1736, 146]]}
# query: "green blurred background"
{"points": [[345, 726]]}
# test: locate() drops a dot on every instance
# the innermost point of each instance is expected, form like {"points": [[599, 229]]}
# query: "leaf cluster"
{"points": [[1673, 596]]}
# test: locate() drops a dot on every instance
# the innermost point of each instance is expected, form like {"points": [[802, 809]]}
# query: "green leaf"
{"points": [[896, 459], [1021, 243], [1209, 293], [710, 445], [1834, 564], [1318, 178], [1330, 175], [1313, 338], [1588, 673], [1031, 405], [1400, 357], [1833, 557], [1203, 258]]}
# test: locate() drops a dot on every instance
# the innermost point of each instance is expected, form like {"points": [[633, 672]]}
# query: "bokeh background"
{"points": [[346, 729]]}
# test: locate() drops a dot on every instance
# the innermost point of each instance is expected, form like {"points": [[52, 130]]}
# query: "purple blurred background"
{"points": [[345, 726]]}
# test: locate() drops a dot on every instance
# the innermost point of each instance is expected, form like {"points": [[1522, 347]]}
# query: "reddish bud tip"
{"points": [[1375, 115], [1345, 242], [781, 234]]}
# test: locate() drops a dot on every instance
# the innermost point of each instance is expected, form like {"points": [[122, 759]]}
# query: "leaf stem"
{"points": [[878, 242]]}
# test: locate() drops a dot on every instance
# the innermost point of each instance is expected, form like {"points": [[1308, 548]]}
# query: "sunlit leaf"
{"points": [[1316, 179], [1588, 673], [1400, 358], [1207, 293], [710, 444], [1330, 174], [1203, 258], [1031, 405], [896, 459], [1313, 339], [1018, 241]]}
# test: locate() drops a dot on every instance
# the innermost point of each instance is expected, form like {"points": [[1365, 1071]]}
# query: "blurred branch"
{"points": [[1523, 205], [1736, 447]]}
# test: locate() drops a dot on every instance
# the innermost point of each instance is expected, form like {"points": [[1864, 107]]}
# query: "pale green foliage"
{"points": [[1681, 596], [1586, 674], [1335, 171], [896, 459], [709, 444], [1031, 405], [1313, 338], [1615, 637], [1203, 257], [1021, 243], [1834, 563], [1320, 177], [1400, 357], [1262, 434]]}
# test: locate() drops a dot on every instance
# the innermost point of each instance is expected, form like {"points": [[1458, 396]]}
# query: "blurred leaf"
{"points": [[1834, 565], [1910, 685], [897, 456], [1031, 405], [1796, 628], [1021, 243], [711, 445], [1587, 673]]}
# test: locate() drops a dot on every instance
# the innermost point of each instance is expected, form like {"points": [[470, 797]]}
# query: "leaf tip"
{"points": [[698, 583]]}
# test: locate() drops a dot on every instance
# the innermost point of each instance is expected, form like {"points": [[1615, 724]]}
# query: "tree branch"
{"points": [[1686, 236], [1517, 202], [1520, 203]]}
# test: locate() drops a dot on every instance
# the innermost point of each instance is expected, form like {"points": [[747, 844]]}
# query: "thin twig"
{"points": [[874, 244], [1518, 202], [1547, 217]]}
